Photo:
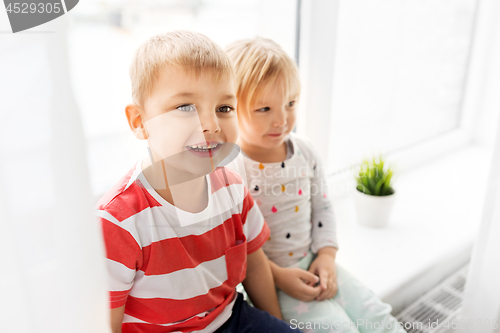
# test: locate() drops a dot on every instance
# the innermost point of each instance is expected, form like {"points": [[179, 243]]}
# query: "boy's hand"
{"points": [[324, 267], [297, 283]]}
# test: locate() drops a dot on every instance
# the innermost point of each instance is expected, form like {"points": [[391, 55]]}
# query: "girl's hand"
{"points": [[297, 283], [324, 267]]}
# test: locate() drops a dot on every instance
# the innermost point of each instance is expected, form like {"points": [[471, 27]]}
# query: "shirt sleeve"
{"points": [[123, 257], [324, 231], [255, 228]]}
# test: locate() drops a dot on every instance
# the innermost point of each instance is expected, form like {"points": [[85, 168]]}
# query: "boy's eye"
{"points": [[291, 103], [263, 109], [225, 109], [186, 108]]}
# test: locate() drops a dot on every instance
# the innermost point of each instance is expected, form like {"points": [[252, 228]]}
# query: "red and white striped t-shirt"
{"points": [[172, 277]]}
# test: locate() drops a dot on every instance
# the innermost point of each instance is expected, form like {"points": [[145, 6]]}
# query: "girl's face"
{"points": [[271, 116]]}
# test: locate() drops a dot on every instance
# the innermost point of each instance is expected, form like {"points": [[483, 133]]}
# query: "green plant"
{"points": [[373, 179]]}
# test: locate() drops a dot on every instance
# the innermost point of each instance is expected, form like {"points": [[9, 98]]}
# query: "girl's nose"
{"points": [[280, 119]]}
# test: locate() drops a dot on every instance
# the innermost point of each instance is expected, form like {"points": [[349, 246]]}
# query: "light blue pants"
{"points": [[354, 308]]}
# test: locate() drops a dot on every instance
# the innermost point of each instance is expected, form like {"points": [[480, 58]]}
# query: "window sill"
{"points": [[430, 235]]}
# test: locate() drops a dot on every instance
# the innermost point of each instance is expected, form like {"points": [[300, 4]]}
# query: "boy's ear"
{"points": [[135, 121]]}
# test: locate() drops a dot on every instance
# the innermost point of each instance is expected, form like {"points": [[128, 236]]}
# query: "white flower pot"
{"points": [[373, 211]]}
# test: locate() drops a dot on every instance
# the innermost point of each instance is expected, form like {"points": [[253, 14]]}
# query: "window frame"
{"points": [[317, 51]]}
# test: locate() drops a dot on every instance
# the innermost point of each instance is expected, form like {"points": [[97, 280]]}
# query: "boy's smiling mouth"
{"points": [[204, 149]]}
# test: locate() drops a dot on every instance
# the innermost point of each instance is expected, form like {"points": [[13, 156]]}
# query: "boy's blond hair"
{"points": [[258, 63], [191, 51]]}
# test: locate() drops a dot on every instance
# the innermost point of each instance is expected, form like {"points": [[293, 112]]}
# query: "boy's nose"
{"points": [[209, 123]]}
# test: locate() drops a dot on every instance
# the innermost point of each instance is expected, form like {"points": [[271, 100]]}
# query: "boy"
{"points": [[180, 230]]}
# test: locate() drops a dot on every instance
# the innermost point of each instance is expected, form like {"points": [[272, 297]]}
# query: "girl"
{"points": [[285, 176]]}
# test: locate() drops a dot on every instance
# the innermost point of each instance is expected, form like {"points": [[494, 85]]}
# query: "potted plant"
{"points": [[374, 195]]}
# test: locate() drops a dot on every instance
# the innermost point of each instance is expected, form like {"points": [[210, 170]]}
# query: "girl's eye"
{"points": [[187, 108], [263, 109], [225, 109], [290, 104]]}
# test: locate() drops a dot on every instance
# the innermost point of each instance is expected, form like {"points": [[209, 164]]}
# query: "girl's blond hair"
{"points": [[258, 63], [186, 49]]}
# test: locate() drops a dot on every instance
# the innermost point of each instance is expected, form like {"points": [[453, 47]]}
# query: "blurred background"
{"points": [[400, 68], [416, 80]]}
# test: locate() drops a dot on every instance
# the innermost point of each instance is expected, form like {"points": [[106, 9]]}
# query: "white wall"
{"points": [[482, 101], [482, 293]]}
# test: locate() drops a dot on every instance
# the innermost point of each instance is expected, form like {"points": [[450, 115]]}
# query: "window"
{"points": [[398, 75]]}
